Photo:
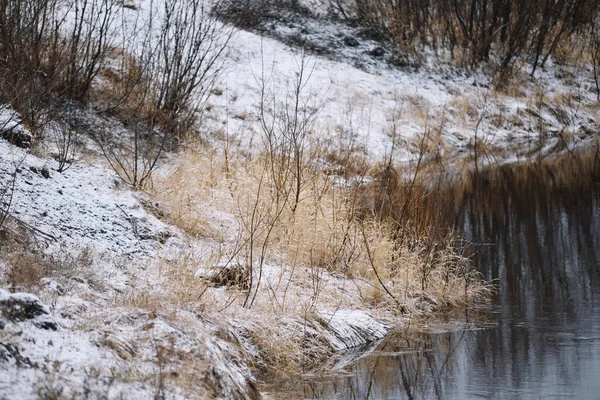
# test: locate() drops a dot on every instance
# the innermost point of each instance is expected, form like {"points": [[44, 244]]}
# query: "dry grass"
{"points": [[325, 231], [175, 288], [329, 252], [464, 110], [194, 193], [25, 263]]}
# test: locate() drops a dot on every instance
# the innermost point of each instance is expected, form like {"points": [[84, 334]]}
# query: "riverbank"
{"points": [[203, 284], [154, 287]]}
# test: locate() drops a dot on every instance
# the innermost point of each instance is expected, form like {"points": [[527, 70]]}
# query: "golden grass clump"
{"points": [[194, 193], [250, 207]]}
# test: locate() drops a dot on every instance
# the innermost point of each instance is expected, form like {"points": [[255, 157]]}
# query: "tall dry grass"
{"points": [[385, 239], [345, 244]]}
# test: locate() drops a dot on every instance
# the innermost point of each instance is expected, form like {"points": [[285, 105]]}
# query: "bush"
{"points": [[160, 89], [475, 30], [44, 61]]}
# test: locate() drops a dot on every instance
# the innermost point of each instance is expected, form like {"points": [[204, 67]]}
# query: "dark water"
{"points": [[544, 340]]}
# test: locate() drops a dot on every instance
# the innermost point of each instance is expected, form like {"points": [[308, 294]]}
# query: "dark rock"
{"points": [[399, 61], [350, 41], [46, 322], [403, 58], [227, 274], [378, 52], [12, 130], [17, 137], [52, 285], [129, 5], [11, 353], [585, 131], [21, 306], [41, 171]]}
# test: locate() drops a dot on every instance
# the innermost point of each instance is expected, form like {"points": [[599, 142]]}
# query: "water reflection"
{"points": [[544, 247]]}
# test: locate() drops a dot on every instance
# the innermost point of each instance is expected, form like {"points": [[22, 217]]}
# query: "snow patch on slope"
{"points": [[83, 206], [352, 328]]}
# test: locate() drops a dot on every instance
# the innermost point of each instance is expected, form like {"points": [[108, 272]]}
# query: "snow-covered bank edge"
{"points": [[42, 355], [77, 306]]}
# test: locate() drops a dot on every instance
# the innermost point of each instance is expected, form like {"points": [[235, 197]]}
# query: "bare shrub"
{"points": [[278, 180], [7, 192], [287, 124], [475, 31], [66, 134], [164, 85], [89, 41], [50, 51]]}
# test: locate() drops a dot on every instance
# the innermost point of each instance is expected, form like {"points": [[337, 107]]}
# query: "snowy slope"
{"points": [[367, 101], [360, 92], [103, 318], [84, 206]]}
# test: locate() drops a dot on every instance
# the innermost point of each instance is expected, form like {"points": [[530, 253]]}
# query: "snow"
{"points": [[85, 339], [83, 206], [363, 96], [71, 360], [367, 103], [19, 297], [86, 208], [353, 328]]}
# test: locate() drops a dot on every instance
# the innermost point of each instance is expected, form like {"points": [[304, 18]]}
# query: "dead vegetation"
{"points": [[500, 33], [291, 240], [360, 245], [26, 265]]}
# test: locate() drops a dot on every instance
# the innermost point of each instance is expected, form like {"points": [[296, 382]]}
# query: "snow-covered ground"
{"points": [[375, 99], [93, 324], [366, 101], [94, 343]]}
